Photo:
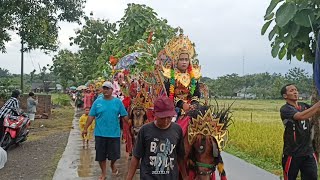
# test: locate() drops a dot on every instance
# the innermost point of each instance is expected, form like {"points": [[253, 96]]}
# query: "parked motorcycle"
{"points": [[16, 130]]}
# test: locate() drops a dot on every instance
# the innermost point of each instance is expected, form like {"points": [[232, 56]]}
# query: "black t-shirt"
{"points": [[297, 134], [159, 150]]}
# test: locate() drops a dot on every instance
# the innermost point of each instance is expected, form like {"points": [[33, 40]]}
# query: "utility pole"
{"points": [[245, 80], [243, 65], [21, 85]]}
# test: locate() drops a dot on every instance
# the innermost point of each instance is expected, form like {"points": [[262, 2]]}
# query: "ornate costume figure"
{"points": [[138, 114], [138, 109], [182, 78], [204, 129], [205, 136]]}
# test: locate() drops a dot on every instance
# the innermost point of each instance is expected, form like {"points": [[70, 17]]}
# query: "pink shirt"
{"points": [[87, 100]]}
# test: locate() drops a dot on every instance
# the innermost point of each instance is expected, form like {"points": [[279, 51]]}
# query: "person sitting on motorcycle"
{"points": [[9, 107]]}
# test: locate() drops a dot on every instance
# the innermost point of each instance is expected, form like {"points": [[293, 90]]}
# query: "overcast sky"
{"points": [[226, 33]]}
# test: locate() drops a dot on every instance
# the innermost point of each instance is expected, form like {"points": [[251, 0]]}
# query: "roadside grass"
{"points": [[257, 133], [60, 121], [54, 163], [259, 143], [60, 99]]}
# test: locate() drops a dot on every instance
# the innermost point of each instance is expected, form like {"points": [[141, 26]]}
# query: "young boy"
{"points": [[82, 123]]}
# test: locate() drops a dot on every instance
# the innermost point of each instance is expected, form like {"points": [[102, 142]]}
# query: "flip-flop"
{"points": [[100, 178], [116, 173]]}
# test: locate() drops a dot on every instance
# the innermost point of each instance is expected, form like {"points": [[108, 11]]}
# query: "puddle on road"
{"points": [[89, 169]]}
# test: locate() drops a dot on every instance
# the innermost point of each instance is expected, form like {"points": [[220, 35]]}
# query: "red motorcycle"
{"points": [[16, 130]]}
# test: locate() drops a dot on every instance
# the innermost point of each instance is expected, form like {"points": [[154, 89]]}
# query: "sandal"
{"points": [[116, 172]]}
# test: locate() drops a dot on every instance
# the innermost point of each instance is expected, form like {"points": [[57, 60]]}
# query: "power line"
{"points": [[31, 58]]}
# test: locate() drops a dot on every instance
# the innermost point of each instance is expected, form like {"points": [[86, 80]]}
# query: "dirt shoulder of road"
{"points": [[37, 158]]}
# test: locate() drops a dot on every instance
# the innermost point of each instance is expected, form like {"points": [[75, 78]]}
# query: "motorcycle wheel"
{"points": [[6, 141]]}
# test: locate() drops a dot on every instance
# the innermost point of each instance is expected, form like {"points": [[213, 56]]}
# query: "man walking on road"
{"points": [[298, 152], [106, 112], [160, 146]]}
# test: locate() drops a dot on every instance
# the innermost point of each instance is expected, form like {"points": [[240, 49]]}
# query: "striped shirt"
{"points": [[12, 103]]}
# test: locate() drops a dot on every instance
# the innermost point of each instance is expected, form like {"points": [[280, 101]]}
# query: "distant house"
{"points": [[243, 93], [304, 96], [59, 87], [46, 86]]}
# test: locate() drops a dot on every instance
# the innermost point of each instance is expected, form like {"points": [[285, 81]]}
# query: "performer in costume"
{"points": [[183, 87], [182, 78]]}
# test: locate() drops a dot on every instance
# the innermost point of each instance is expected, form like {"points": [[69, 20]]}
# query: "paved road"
{"points": [[238, 169], [78, 163]]}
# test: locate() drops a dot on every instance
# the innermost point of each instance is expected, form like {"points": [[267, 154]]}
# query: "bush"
{"points": [[61, 100]]}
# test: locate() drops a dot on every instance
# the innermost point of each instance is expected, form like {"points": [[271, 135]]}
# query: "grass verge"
{"points": [[60, 122], [54, 163]]}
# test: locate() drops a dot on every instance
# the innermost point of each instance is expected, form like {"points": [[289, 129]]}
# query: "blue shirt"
{"points": [[100, 95], [107, 114]]}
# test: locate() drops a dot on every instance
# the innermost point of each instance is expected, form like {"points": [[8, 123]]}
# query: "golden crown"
{"points": [[138, 101], [208, 125], [179, 44]]}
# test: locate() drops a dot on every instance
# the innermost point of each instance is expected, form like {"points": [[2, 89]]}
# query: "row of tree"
{"points": [[261, 85], [9, 82], [36, 22], [99, 39]]}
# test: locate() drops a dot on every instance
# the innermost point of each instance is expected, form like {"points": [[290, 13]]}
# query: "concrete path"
{"points": [[78, 163]]}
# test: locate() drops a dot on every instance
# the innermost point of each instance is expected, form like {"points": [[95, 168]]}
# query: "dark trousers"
{"points": [[307, 165]]}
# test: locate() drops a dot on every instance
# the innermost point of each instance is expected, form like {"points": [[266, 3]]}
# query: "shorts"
{"points": [[107, 148]]}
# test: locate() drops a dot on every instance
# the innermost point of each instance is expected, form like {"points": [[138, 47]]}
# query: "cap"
{"points": [[164, 107], [107, 84]]}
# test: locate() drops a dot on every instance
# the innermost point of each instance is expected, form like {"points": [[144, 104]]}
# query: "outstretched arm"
{"points": [[89, 121], [125, 118], [308, 113]]}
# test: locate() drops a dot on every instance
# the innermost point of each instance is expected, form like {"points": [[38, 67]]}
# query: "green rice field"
{"points": [[257, 133]]}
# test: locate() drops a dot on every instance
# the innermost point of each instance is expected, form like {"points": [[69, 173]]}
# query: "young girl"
{"points": [[82, 123]]}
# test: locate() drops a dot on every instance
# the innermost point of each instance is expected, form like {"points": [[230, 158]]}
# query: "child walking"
{"points": [[82, 123]]}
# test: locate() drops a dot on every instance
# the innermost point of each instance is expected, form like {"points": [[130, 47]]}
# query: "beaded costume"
{"points": [[181, 87]]}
